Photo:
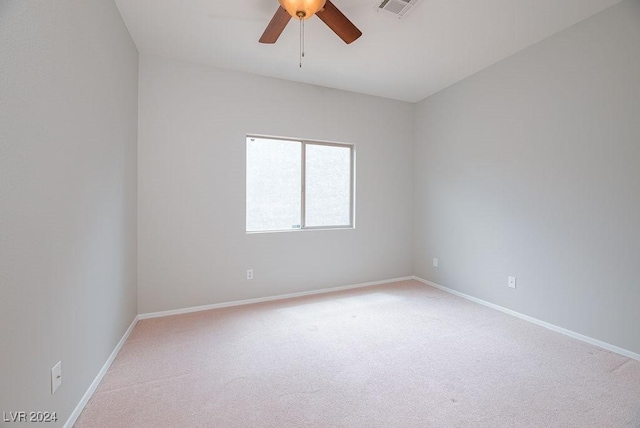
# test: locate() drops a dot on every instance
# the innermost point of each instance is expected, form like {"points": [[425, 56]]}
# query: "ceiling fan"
{"points": [[305, 9]]}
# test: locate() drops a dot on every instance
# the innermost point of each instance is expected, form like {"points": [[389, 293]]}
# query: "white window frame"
{"points": [[303, 174]]}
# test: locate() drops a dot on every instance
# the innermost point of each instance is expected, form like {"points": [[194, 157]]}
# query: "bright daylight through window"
{"points": [[293, 184]]}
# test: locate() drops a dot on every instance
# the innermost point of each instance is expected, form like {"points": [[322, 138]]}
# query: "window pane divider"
{"points": [[303, 193]]}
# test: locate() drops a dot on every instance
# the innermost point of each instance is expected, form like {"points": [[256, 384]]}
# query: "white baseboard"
{"points": [[94, 385], [267, 299], [573, 334]]}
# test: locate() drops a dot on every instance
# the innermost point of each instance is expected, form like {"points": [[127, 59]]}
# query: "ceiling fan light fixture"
{"points": [[302, 9]]}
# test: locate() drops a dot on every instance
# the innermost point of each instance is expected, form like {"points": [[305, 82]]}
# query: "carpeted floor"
{"points": [[398, 355]]}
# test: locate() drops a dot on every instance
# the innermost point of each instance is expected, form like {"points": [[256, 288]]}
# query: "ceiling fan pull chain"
{"points": [[302, 39], [301, 36]]}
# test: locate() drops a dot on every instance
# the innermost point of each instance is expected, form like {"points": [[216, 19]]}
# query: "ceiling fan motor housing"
{"points": [[302, 9]]}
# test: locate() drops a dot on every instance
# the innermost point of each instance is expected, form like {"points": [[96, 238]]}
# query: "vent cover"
{"points": [[398, 7]]}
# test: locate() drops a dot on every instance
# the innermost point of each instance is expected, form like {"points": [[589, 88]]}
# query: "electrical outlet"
{"points": [[512, 282], [249, 273], [56, 377], [435, 262]]}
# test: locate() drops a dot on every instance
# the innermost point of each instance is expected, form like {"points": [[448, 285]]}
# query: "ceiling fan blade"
{"points": [[339, 23], [276, 26]]}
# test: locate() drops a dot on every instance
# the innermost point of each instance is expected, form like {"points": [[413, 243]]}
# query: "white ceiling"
{"points": [[438, 44]]}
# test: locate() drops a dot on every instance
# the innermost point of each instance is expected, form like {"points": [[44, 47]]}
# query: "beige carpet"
{"points": [[399, 355]]}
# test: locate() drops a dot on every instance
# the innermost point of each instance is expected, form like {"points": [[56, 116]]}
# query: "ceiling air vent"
{"points": [[398, 7]]}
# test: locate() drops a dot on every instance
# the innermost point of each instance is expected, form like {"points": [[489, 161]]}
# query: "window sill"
{"points": [[309, 229]]}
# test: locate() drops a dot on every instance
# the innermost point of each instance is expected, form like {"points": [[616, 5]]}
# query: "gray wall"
{"points": [[192, 240], [68, 129], [531, 168]]}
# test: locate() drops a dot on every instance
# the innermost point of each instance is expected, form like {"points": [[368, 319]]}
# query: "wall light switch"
{"points": [[512, 282], [435, 262], [249, 273]]}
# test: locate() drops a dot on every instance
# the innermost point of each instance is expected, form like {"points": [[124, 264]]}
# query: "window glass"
{"points": [[273, 184], [328, 185]]}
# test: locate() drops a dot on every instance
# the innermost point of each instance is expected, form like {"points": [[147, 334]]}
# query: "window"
{"points": [[293, 184]]}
